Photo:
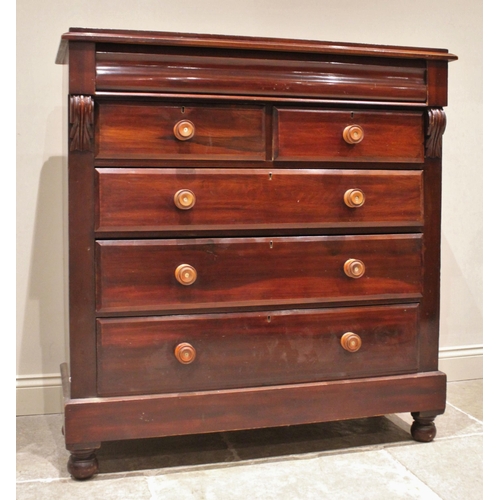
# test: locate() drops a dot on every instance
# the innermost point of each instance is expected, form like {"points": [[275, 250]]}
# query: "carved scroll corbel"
{"points": [[81, 120], [436, 125]]}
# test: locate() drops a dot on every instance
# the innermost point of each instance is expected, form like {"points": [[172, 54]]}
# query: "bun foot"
{"points": [[82, 464], [423, 429]]}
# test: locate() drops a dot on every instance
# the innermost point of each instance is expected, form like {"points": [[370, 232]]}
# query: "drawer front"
{"points": [[137, 355], [323, 135], [228, 199], [143, 131], [152, 275], [334, 78]]}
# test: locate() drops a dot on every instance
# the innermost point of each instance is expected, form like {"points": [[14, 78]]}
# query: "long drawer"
{"points": [[157, 199], [197, 274], [363, 136], [155, 131], [263, 76], [220, 351]]}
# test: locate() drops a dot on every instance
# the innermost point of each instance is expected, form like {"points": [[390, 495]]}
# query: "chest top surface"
{"points": [[221, 65]]}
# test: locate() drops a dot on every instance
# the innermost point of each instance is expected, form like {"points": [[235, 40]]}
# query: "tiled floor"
{"points": [[372, 458]]}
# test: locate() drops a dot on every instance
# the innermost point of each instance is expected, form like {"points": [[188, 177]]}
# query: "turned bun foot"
{"points": [[82, 465], [423, 429]]}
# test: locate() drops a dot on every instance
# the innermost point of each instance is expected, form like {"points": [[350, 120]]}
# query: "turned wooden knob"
{"points": [[354, 268], [184, 130], [184, 199], [185, 274], [353, 134], [354, 198], [350, 342], [185, 353]]}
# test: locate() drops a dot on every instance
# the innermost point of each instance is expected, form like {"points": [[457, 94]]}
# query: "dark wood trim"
{"points": [[103, 419], [255, 99], [261, 74], [81, 225], [220, 308], [81, 273], [429, 320], [82, 68], [435, 127], [81, 121], [437, 83], [252, 43]]}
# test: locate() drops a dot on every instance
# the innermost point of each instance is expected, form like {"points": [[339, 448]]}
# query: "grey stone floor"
{"points": [[373, 458]]}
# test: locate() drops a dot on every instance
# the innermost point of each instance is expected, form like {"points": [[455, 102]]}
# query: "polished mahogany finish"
{"points": [[320, 135], [136, 130], [256, 75], [140, 355], [147, 275], [247, 408], [144, 200], [254, 230]]}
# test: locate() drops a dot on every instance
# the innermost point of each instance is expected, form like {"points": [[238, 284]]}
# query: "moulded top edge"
{"points": [[132, 37]]}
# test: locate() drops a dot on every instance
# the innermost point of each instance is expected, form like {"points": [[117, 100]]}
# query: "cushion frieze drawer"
{"points": [[333, 135], [191, 274], [155, 131], [155, 199], [222, 351], [263, 76]]}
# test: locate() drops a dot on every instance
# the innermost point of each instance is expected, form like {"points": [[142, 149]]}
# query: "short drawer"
{"points": [[152, 131], [197, 274], [329, 135], [157, 199], [221, 351]]}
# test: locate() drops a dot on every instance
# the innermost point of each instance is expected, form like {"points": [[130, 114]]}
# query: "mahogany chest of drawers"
{"points": [[254, 231]]}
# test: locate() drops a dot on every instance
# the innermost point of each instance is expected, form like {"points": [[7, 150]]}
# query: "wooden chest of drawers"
{"points": [[254, 231]]}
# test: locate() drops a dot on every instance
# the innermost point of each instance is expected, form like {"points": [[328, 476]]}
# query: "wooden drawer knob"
{"points": [[184, 199], [353, 134], [354, 268], [354, 198], [185, 353], [184, 130], [350, 342], [185, 274]]}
